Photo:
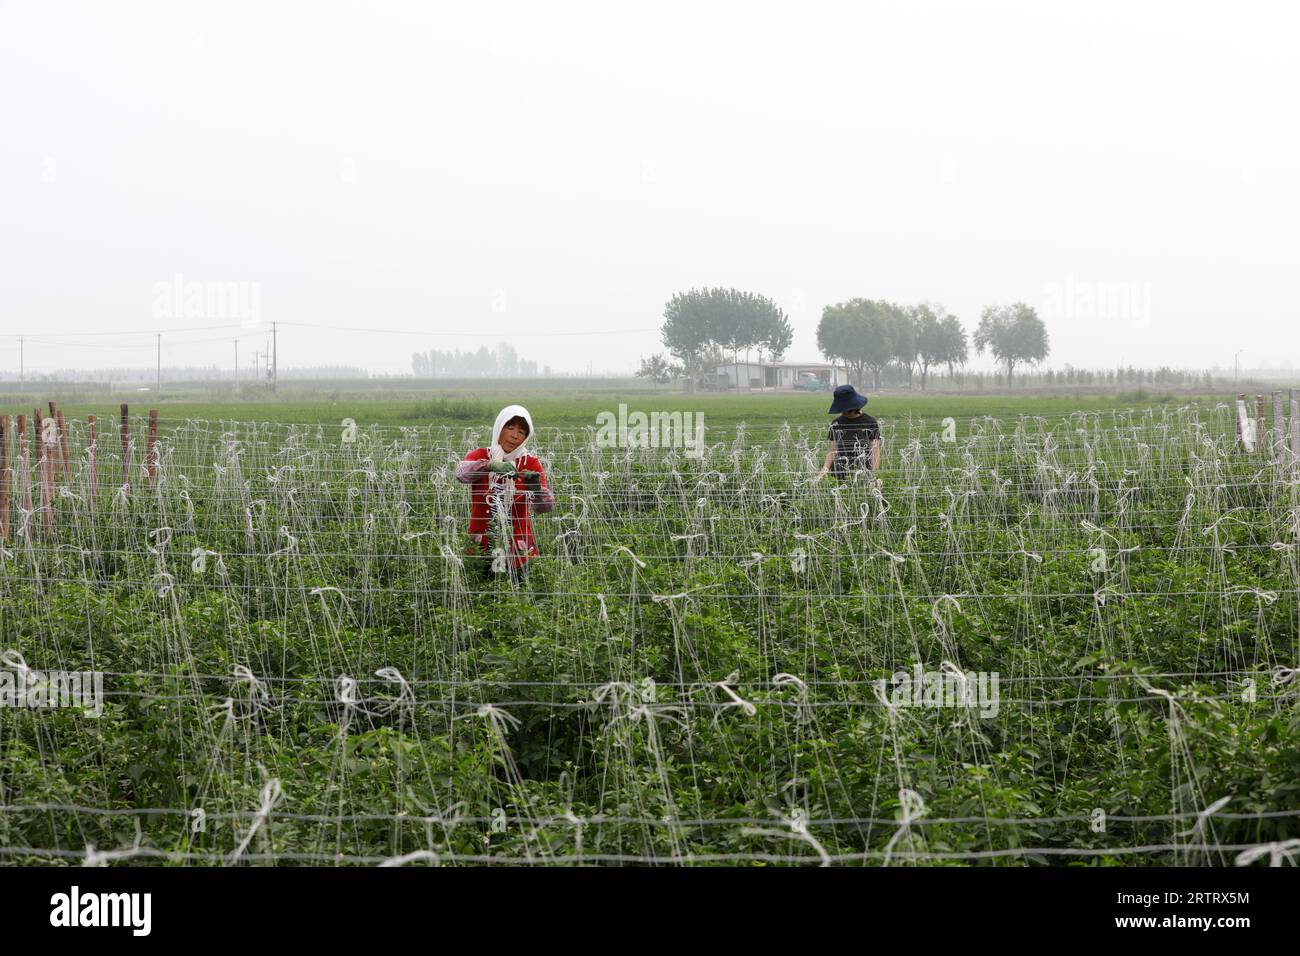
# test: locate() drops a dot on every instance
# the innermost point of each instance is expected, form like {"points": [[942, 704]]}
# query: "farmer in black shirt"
{"points": [[854, 436]]}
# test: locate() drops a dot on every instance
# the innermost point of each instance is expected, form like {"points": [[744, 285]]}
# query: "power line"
{"points": [[477, 333], [168, 331], [136, 348]]}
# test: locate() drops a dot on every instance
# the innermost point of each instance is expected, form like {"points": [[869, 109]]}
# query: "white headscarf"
{"points": [[502, 489], [507, 413]]}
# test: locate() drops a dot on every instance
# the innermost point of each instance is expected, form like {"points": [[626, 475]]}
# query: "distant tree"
{"points": [[903, 321], [1014, 334], [728, 325], [884, 327], [775, 336], [502, 361], [929, 338], [726, 318], [940, 339], [839, 337], [658, 369], [778, 336], [860, 333], [687, 328], [507, 360], [953, 349], [700, 364]]}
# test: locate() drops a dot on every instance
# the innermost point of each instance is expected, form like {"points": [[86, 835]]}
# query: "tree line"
{"points": [[966, 379], [501, 362], [865, 335], [702, 325]]}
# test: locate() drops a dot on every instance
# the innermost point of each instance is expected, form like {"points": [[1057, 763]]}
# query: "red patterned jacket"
{"points": [[486, 487]]}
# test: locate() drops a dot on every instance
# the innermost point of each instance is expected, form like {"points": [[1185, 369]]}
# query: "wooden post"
{"points": [[45, 469], [1261, 435], [126, 445], [25, 476], [56, 465], [92, 477], [4, 478], [151, 451]]}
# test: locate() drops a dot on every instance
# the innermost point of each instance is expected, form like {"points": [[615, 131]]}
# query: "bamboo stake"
{"points": [[4, 478], [1295, 428], [54, 452], [151, 449], [92, 476], [126, 452], [45, 470], [63, 451], [25, 476], [1261, 442], [1279, 427]]}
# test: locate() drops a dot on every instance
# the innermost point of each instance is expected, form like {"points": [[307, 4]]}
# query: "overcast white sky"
{"points": [[521, 168]]}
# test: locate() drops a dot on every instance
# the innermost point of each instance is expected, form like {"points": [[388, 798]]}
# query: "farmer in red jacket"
{"points": [[506, 482]]}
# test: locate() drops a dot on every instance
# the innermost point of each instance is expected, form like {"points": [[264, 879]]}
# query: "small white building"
{"points": [[777, 375]]}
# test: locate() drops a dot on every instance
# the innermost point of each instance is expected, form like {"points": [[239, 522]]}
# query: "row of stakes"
{"points": [[1253, 433], [55, 463]]}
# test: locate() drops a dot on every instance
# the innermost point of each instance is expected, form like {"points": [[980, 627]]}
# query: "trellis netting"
{"points": [[1026, 640]]}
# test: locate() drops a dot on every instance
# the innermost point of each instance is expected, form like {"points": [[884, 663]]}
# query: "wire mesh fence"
{"points": [[1024, 639]]}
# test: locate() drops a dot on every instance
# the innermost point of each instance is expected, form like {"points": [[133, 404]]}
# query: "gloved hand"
{"points": [[502, 468], [532, 480]]}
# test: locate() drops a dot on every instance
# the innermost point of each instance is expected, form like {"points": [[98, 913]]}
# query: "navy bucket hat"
{"points": [[845, 398]]}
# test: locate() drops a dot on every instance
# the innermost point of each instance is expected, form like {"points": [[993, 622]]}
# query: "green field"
{"points": [[301, 665], [575, 407]]}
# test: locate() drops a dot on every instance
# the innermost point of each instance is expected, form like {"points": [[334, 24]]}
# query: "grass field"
{"points": [[705, 665], [574, 407]]}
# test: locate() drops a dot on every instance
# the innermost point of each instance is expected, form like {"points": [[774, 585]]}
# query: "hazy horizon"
{"points": [[550, 176]]}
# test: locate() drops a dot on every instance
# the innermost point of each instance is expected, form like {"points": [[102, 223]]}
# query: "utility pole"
{"points": [[22, 367], [236, 364], [158, 389], [275, 353]]}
